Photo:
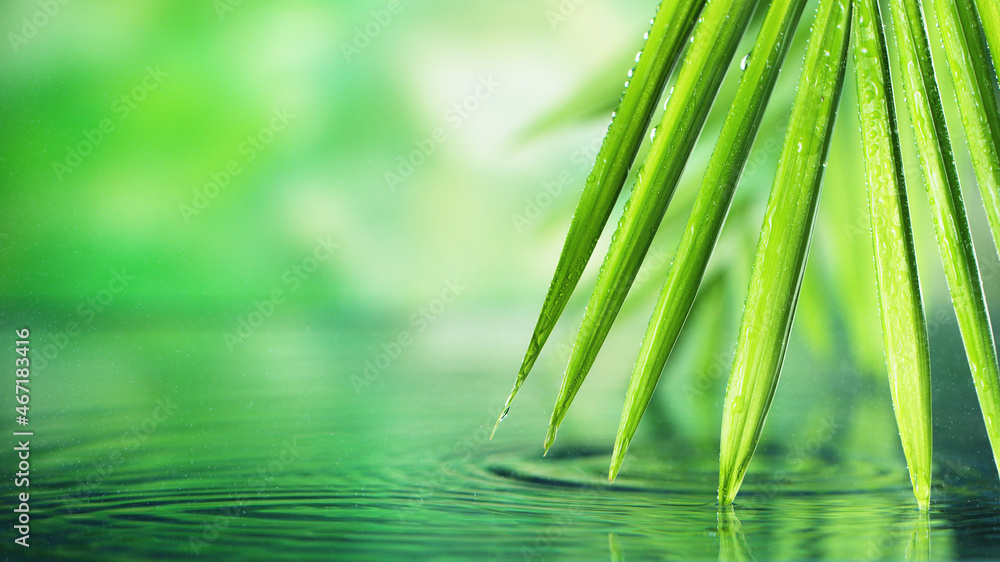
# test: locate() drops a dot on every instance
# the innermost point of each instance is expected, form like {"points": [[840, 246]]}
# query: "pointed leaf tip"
{"points": [[783, 246], [503, 415], [550, 438], [666, 40], [714, 41], [704, 225], [951, 223], [904, 330]]}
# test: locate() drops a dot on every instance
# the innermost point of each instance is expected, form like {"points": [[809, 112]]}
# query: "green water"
{"points": [[163, 443]]}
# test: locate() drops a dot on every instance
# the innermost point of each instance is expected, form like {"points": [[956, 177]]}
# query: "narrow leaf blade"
{"points": [[708, 215], [667, 37], [713, 44], [904, 328], [989, 12], [951, 225], [970, 72], [783, 246]]}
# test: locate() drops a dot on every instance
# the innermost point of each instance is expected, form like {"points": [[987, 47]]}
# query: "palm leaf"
{"points": [[989, 10], [970, 71], [904, 329], [951, 224], [783, 245], [715, 39], [707, 217], [665, 40], [970, 31]]}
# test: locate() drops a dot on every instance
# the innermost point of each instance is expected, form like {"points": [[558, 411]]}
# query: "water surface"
{"points": [[163, 443]]}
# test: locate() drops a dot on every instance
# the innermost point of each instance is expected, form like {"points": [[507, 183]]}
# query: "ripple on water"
{"points": [[505, 503]]}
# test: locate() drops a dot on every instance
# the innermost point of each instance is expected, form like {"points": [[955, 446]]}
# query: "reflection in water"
{"points": [[615, 547], [842, 512], [274, 450], [732, 544], [920, 539], [910, 536]]}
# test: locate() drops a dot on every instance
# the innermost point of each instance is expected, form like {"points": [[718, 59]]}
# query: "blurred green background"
{"points": [[184, 86], [338, 220]]}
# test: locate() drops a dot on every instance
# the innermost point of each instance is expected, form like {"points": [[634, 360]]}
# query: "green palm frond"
{"points": [[904, 328], [989, 11], [713, 44], [705, 36], [705, 222], [628, 127], [970, 72], [783, 246], [948, 209]]}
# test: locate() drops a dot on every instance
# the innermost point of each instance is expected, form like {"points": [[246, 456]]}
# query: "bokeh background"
{"points": [[279, 261]]}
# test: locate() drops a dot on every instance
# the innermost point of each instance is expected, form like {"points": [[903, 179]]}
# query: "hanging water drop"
{"points": [[652, 135], [666, 102], [744, 62]]}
